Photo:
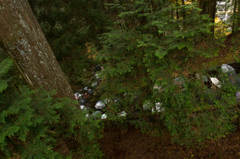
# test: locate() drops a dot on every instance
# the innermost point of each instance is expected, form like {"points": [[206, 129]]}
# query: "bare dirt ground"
{"points": [[133, 144]]}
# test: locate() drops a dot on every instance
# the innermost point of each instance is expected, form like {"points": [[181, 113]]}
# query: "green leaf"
{"points": [[5, 65], [3, 85]]}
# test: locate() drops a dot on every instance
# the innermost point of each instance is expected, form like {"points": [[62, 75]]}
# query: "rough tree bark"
{"points": [[23, 40]]}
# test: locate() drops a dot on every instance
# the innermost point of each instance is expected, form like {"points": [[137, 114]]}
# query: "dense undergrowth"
{"points": [[31, 121], [150, 53]]}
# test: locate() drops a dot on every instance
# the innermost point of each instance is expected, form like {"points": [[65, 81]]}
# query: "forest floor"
{"points": [[131, 143]]}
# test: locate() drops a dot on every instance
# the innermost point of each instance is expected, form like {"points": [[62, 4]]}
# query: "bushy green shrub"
{"points": [[31, 121], [148, 46]]}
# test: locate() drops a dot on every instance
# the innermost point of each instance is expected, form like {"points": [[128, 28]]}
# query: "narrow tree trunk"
{"points": [[238, 12], [183, 9], [204, 7], [177, 10], [212, 8], [23, 40], [234, 13], [183, 14]]}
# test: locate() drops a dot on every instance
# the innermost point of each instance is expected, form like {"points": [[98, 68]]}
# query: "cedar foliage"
{"points": [[148, 46], [31, 121]]}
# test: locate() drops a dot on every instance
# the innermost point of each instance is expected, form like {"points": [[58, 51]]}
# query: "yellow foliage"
{"points": [[220, 28]]}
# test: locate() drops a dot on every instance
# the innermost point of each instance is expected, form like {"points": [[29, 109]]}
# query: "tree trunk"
{"points": [[23, 40], [208, 7], [238, 12], [183, 14], [212, 8], [234, 13], [177, 10], [203, 5]]}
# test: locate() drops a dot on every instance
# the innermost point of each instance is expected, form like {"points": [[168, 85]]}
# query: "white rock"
{"points": [[147, 105], [83, 107], [216, 82], [104, 116], [99, 105], [106, 101], [122, 114], [158, 107], [77, 95], [228, 69]]}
